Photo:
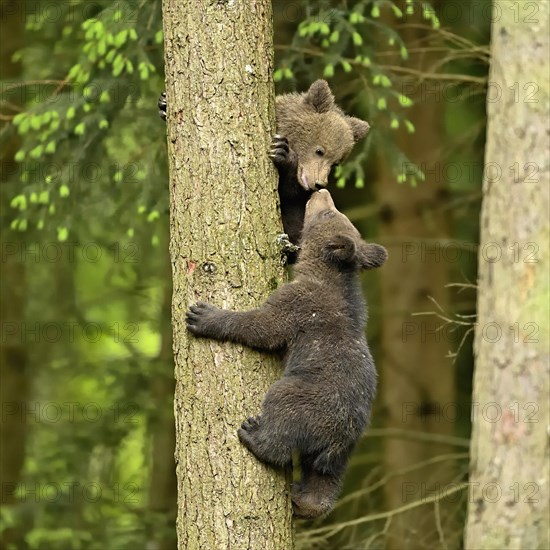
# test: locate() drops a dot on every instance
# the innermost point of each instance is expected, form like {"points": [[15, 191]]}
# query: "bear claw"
{"points": [[162, 105], [251, 423]]}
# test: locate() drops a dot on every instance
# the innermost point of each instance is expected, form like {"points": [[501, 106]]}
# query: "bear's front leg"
{"points": [[261, 328]]}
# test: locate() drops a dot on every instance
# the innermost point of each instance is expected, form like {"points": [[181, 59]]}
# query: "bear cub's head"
{"points": [[329, 237], [318, 132]]}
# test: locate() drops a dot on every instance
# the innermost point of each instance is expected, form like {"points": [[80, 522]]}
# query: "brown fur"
{"points": [[311, 121], [322, 403], [313, 134]]}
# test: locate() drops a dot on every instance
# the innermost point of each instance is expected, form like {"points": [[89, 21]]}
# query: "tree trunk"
{"points": [[224, 222], [509, 470]]}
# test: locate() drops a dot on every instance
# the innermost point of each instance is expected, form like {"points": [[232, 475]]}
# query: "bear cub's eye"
{"points": [[320, 152], [328, 214]]}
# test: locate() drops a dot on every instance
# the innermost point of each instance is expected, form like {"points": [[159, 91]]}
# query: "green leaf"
{"points": [[159, 37], [40, 224], [35, 122], [359, 183], [153, 215], [335, 37], [356, 17], [44, 197], [328, 71], [133, 34], [71, 111], [404, 101], [341, 183], [394, 124], [20, 156], [357, 39], [346, 66], [24, 125], [36, 153], [103, 124], [404, 52], [19, 202], [18, 118], [375, 12], [385, 81], [324, 29], [143, 71], [33, 199], [80, 129], [397, 11], [287, 73], [62, 234], [410, 126], [381, 103], [141, 209], [278, 75], [64, 191], [118, 65], [120, 38]]}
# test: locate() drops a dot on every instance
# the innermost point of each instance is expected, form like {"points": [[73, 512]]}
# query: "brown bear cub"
{"points": [[313, 134], [322, 403]]}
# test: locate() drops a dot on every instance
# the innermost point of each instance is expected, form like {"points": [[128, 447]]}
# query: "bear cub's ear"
{"points": [[340, 249], [319, 96], [371, 255], [359, 127]]}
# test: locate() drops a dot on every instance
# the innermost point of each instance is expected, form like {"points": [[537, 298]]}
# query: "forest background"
{"points": [[87, 367]]}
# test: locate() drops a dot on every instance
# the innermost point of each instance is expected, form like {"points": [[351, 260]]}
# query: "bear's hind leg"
{"points": [[264, 443], [316, 493]]}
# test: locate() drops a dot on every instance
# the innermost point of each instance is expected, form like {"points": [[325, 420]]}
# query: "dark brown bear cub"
{"points": [[322, 403]]}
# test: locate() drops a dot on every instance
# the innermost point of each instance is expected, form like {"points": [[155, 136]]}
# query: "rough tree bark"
{"points": [[509, 470], [224, 222]]}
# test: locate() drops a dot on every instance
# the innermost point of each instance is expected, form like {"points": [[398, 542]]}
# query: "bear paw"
{"points": [[201, 319], [162, 106], [287, 247], [251, 424], [282, 155]]}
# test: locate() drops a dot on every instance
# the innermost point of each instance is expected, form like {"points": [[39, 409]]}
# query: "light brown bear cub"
{"points": [[313, 135], [322, 404]]}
